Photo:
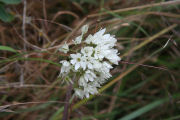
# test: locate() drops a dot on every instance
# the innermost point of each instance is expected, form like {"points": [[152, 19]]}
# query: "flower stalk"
{"points": [[67, 103], [90, 66]]}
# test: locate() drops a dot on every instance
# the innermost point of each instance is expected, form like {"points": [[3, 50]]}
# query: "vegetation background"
{"points": [[145, 85]]}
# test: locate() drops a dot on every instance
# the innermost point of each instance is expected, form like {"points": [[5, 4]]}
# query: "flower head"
{"points": [[93, 62]]}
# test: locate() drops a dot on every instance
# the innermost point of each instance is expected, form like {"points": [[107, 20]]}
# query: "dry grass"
{"points": [[145, 85]]}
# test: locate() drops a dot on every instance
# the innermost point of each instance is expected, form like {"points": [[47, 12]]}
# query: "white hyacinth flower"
{"points": [[84, 29], [78, 40], [78, 61], [99, 52], [92, 63], [89, 76], [87, 51], [89, 62], [113, 57], [79, 93], [82, 81], [97, 38], [66, 66], [90, 89], [64, 48]]}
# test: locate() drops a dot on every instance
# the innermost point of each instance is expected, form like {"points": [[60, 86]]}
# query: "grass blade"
{"points": [[147, 108], [6, 48]]}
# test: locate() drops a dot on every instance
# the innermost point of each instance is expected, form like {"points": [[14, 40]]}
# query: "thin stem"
{"points": [[25, 39], [67, 104], [161, 68], [24, 23]]}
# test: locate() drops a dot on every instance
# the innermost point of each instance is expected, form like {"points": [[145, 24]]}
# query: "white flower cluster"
{"points": [[92, 63]]}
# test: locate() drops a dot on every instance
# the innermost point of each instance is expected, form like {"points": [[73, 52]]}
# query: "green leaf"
{"points": [[143, 110], [11, 1], [6, 48], [4, 15]]}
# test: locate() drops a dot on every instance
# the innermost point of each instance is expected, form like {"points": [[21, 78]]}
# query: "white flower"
{"points": [[88, 76], [96, 64], [84, 29], [100, 32], [94, 60], [95, 84], [89, 39], [82, 81], [108, 40], [89, 62], [113, 57], [66, 66], [97, 38], [103, 78], [104, 70], [101, 39], [78, 61], [78, 40], [79, 93], [99, 53], [86, 91], [87, 51], [92, 63], [64, 48], [90, 90]]}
